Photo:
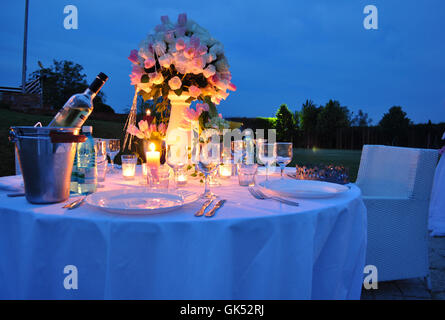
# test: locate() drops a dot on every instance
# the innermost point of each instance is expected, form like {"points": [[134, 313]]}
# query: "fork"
{"points": [[261, 196]]}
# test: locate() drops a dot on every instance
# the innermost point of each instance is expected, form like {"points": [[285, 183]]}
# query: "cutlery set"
{"points": [[212, 211], [258, 194]]}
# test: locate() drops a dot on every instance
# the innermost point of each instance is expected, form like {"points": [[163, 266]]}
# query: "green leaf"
{"points": [[190, 100], [145, 78], [178, 92], [165, 90]]}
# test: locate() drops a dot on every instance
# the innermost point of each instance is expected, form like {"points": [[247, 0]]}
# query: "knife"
{"points": [[203, 208], [218, 205]]}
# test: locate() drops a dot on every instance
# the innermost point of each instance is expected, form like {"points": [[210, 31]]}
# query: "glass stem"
{"points": [[112, 163], [175, 177], [267, 172], [282, 169], [206, 185]]}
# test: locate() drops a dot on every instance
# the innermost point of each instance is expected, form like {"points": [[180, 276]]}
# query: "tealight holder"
{"points": [[129, 166], [181, 178], [225, 170]]}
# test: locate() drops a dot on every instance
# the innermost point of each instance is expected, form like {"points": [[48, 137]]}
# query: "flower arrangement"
{"points": [[183, 58], [146, 131]]}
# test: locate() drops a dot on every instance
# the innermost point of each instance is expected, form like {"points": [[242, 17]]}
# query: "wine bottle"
{"points": [[77, 109]]}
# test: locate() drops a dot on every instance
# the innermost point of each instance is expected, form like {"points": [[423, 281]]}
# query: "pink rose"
{"points": [[162, 129], [189, 52], [220, 115], [200, 107], [134, 56], [180, 44], [165, 19], [209, 71], [194, 91], [136, 74], [175, 83], [149, 62], [194, 41], [202, 50], [156, 77], [231, 87], [182, 19]]}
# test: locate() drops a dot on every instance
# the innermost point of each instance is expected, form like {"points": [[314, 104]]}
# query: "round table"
{"points": [[251, 249]]}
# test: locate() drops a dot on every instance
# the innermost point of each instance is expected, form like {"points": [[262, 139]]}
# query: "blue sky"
{"points": [[281, 51]]}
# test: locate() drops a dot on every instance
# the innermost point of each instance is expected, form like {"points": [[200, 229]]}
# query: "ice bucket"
{"points": [[46, 156]]}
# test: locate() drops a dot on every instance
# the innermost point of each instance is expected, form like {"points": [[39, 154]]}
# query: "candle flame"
{"points": [[152, 147], [148, 112]]}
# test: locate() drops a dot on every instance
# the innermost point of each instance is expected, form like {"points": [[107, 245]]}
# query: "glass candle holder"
{"points": [[225, 170], [129, 166], [158, 178], [246, 174], [181, 179]]}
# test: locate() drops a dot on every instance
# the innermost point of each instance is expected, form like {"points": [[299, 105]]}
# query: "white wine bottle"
{"points": [[77, 109]]}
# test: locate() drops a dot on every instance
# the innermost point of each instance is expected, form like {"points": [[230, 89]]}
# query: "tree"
{"points": [[63, 79], [333, 117], [395, 123], [285, 125], [308, 121], [361, 119]]}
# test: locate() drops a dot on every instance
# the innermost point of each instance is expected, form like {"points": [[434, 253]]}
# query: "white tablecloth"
{"points": [[251, 249], [436, 222]]}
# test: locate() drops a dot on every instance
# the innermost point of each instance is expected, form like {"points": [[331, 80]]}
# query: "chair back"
{"points": [[398, 172]]}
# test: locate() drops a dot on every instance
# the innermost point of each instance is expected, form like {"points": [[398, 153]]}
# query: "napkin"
{"points": [[12, 183]]}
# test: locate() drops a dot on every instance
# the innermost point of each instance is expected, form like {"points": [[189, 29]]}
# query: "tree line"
{"points": [[335, 126]]}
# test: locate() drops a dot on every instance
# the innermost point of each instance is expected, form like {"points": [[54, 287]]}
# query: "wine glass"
{"points": [[101, 159], [113, 148], [267, 155], [177, 157], [208, 159], [284, 155]]}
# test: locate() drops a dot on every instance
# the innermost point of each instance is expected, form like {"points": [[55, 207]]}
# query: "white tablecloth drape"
{"points": [[251, 249], [436, 223]]}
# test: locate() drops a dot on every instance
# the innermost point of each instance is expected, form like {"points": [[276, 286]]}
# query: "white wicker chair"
{"points": [[396, 186]]}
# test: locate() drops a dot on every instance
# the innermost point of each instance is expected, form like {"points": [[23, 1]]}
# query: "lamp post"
{"points": [[25, 44]]}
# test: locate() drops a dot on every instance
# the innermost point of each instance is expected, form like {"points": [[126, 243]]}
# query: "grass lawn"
{"points": [[109, 129], [102, 129]]}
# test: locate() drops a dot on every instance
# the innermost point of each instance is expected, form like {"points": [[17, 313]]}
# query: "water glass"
{"points": [[267, 155], [158, 178], [113, 148], [177, 158], [129, 162], [101, 158], [284, 155], [246, 174]]}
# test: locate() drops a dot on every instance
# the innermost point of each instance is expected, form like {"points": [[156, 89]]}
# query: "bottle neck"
{"points": [[90, 93]]}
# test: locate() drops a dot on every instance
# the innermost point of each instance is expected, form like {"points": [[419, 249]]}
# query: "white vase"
{"points": [[176, 132]]}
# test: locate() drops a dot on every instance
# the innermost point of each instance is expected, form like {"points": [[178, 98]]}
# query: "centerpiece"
{"points": [[177, 64]]}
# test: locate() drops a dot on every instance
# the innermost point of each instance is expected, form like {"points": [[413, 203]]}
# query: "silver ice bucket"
{"points": [[46, 156]]}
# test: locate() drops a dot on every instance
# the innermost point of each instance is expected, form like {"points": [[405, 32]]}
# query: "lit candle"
{"points": [[153, 160], [225, 170], [148, 117], [182, 179], [128, 166]]}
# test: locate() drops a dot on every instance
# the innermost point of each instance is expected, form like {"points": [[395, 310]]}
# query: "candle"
{"points": [[182, 179], [128, 166], [153, 160], [148, 117], [225, 170]]}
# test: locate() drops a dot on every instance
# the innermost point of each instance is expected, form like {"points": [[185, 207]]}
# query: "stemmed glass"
{"points": [[101, 159], [113, 148], [208, 160], [177, 157], [284, 155], [267, 154]]}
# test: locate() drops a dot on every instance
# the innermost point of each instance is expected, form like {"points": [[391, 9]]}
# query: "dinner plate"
{"points": [[141, 201], [303, 188]]}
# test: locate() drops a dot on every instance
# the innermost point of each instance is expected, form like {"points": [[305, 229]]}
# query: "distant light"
{"points": [[148, 112], [314, 149]]}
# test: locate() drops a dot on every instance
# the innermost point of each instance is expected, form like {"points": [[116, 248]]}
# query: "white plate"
{"points": [[303, 188], [141, 201]]}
